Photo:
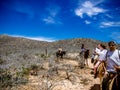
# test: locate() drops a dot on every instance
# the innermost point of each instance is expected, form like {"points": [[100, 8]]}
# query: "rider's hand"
{"points": [[106, 74], [117, 68]]}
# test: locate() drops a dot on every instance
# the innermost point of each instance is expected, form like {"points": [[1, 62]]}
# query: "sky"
{"points": [[51, 20]]}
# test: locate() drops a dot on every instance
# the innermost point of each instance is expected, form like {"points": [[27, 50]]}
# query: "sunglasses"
{"points": [[111, 45]]}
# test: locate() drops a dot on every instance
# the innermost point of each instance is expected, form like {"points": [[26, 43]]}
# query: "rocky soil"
{"points": [[69, 76]]}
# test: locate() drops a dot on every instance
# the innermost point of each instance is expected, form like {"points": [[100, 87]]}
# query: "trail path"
{"points": [[80, 79]]}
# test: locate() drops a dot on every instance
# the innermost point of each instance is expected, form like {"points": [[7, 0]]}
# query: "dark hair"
{"points": [[112, 42], [103, 46], [82, 47]]}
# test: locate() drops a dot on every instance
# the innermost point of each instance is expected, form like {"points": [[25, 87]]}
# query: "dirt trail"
{"points": [[79, 79]]}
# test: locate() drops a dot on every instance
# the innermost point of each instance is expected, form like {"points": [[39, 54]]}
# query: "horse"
{"points": [[115, 82], [60, 54], [100, 72]]}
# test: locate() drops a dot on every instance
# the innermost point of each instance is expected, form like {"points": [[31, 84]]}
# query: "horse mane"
{"points": [[101, 69]]}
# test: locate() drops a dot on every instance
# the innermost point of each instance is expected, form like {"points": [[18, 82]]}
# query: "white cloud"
{"points": [[88, 8], [49, 20], [51, 17], [110, 24], [116, 36], [87, 22], [42, 39], [36, 38]]}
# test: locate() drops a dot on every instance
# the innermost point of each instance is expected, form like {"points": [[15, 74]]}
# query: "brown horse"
{"points": [[100, 72], [60, 54]]}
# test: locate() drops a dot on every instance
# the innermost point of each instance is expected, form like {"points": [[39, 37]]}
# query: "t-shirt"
{"points": [[102, 54], [112, 60], [97, 50]]}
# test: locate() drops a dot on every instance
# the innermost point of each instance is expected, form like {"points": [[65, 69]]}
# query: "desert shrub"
{"points": [[37, 54], [8, 52], [42, 55], [25, 56], [34, 67], [1, 61], [7, 79], [24, 71]]}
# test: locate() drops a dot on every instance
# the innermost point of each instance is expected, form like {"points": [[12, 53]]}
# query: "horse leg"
{"points": [[57, 59], [82, 63], [101, 83], [61, 56], [87, 62]]}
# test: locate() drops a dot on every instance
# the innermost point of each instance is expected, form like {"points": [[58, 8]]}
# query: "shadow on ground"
{"points": [[95, 87]]}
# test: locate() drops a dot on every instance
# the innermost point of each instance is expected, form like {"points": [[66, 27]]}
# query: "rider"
{"points": [[86, 56], [82, 61], [112, 63], [60, 49], [94, 54], [101, 55]]}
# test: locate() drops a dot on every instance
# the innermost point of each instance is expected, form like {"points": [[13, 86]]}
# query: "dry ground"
{"points": [[76, 79]]}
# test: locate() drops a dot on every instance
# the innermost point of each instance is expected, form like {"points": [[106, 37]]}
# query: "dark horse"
{"points": [[60, 54], [115, 83]]}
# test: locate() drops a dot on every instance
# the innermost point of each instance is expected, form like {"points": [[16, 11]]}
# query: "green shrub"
{"points": [[34, 67]]}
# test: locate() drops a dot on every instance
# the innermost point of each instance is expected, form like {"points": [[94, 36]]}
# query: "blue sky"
{"points": [[51, 20]]}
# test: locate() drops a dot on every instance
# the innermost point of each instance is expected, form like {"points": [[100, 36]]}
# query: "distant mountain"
{"points": [[17, 44]]}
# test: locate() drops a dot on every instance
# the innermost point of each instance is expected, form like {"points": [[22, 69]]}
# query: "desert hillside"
{"points": [[32, 65], [15, 44]]}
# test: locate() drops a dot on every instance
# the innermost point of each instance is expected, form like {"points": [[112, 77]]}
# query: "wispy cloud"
{"points": [[116, 36], [39, 38], [49, 20], [53, 10], [109, 16], [110, 24], [87, 22], [51, 17], [21, 7], [89, 9]]}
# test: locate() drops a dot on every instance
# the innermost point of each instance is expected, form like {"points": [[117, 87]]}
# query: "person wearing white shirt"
{"points": [[101, 54], [113, 62]]}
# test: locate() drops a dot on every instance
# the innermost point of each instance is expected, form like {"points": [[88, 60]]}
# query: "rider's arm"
{"points": [[117, 67]]}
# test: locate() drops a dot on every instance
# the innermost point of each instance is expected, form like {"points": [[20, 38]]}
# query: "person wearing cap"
{"points": [[112, 63]]}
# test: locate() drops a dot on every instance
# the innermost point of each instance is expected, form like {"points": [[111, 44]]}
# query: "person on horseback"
{"points": [[86, 56], [60, 53], [112, 63], [95, 55], [101, 54], [81, 54], [60, 49]]}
